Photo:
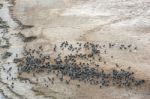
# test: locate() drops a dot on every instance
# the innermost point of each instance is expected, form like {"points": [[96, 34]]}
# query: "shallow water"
{"points": [[1, 96]]}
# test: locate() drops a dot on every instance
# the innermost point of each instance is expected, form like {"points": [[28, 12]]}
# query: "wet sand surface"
{"points": [[41, 25]]}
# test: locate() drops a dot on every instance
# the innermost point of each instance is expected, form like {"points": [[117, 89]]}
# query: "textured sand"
{"points": [[103, 21]]}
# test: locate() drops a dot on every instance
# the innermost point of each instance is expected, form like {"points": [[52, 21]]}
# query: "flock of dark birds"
{"points": [[83, 62], [76, 65]]}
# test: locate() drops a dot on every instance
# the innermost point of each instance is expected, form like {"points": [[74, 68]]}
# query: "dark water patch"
{"points": [[27, 39], [6, 55]]}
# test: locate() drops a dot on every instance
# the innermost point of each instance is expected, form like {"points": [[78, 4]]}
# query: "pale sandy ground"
{"points": [[103, 21]]}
